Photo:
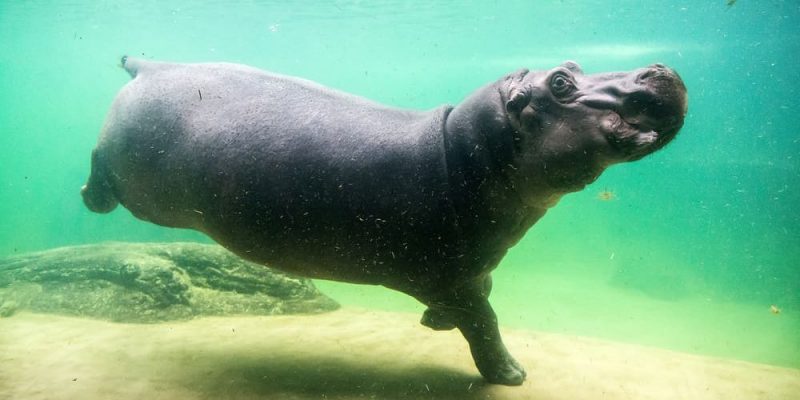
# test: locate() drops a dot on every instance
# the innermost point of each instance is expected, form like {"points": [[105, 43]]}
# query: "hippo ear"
{"points": [[517, 100], [519, 95]]}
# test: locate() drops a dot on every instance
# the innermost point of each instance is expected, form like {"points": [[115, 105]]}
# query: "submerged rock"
{"points": [[151, 282]]}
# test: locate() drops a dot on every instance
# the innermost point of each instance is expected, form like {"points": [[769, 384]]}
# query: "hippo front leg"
{"points": [[479, 327], [474, 317]]}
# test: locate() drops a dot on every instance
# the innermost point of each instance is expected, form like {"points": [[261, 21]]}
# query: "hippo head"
{"points": [[568, 127]]}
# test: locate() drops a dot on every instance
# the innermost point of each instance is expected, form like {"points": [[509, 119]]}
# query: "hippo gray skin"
{"points": [[288, 173]]}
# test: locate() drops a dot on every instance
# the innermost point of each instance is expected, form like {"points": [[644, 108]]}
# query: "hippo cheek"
{"points": [[568, 160], [527, 120], [570, 173]]}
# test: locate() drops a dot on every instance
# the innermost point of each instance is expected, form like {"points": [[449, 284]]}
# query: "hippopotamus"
{"points": [[288, 173]]}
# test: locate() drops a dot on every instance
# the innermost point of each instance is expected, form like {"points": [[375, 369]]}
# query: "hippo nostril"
{"points": [[646, 74], [655, 70], [659, 78]]}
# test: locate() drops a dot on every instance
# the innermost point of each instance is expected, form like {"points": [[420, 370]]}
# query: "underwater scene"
{"points": [[673, 276]]}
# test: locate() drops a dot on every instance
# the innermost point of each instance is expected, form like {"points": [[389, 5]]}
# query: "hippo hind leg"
{"points": [[97, 192]]}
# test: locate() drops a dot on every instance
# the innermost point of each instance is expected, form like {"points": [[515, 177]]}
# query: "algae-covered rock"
{"points": [[151, 282]]}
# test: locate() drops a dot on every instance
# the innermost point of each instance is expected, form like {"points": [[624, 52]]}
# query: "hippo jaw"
{"points": [[569, 127]]}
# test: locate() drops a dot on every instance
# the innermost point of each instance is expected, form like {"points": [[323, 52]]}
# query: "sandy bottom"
{"points": [[347, 354], [585, 305]]}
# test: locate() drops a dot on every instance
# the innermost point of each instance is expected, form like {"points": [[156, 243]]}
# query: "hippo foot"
{"points": [[437, 320], [505, 371]]}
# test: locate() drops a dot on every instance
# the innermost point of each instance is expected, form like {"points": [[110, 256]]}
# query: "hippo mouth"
{"points": [[624, 132], [638, 134]]}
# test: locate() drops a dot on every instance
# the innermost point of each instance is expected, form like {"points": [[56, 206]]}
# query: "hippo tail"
{"points": [[131, 65], [98, 194]]}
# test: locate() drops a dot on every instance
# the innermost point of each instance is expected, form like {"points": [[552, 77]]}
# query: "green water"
{"points": [[699, 240]]}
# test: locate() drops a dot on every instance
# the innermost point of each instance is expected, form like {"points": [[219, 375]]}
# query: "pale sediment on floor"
{"points": [[346, 354]]}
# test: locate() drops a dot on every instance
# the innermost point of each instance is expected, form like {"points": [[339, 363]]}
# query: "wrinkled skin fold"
{"points": [[320, 183]]}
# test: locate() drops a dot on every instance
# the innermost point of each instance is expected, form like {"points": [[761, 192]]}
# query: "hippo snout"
{"points": [[660, 103], [640, 111]]}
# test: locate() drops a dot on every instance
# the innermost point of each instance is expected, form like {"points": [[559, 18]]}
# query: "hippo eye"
{"points": [[561, 85]]}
